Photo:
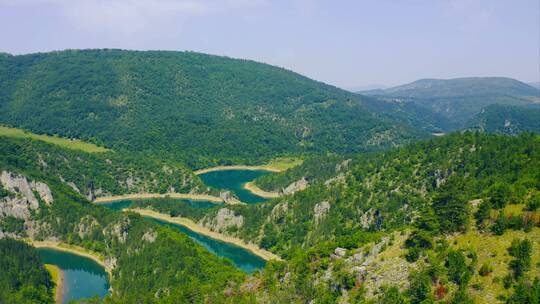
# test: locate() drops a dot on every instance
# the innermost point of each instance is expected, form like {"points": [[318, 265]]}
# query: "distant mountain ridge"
{"points": [[467, 86], [459, 99], [505, 119]]}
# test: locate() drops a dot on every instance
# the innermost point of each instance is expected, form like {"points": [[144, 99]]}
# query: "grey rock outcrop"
{"points": [[224, 219], [320, 210], [299, 185]]}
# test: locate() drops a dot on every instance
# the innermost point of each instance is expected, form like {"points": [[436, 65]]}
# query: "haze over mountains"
{"points": [[458, 100]]}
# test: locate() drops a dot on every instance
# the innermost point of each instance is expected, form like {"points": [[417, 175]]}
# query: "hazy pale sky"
{"points": [[348, 43]]}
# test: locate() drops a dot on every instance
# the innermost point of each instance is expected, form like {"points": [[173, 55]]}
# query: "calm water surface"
{"points": [[83, 278], [234, 180]]}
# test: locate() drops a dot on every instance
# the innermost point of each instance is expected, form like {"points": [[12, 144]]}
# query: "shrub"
{"points": [[485, 270]]}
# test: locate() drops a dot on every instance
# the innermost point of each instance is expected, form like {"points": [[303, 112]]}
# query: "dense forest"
{"points": [[187, 106], [23, 278]]}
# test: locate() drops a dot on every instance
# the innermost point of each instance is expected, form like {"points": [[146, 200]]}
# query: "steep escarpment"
{"points": [[187, 106]]}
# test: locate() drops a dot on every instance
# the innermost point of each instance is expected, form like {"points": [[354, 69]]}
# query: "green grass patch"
{"points": [[73, 144], [285, 163], [493, 251]]}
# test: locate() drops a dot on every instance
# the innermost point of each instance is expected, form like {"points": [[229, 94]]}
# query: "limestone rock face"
{"points": [[320, 210], [225, 219], [228, 197], [149, 236], [86, 226], [19, 206], [118, 230], [299, 185]]}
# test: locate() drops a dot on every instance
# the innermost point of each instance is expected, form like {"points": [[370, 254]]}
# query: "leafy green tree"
{"points": [[482, 213], [461, 297], [420, 288], [533, 203], [391, 295], [451, 208], [521, 250], [458, 270], [499, 194], [525, 292], [23, 277]]}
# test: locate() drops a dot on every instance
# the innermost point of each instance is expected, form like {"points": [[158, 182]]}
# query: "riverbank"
{"points": [[239, 167], [251, 187], [266, 255], [195, 197], [57, 276], [96, 257]]}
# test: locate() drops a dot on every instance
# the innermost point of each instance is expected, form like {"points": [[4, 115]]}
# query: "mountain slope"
{"points": [[461, 98], [506, 119], [198, 108], [390, 219]]}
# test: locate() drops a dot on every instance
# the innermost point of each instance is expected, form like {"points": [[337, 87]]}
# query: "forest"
{"points": [[24, 278], [188, 106]]}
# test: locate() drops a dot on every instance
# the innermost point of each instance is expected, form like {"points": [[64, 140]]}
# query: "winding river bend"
{"points": [[83, 278], [240, 257], [234, 180]]}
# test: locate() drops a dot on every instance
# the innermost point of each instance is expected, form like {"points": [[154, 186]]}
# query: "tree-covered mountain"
{"points": [[459, 99], [506, 119], [198, 108]]}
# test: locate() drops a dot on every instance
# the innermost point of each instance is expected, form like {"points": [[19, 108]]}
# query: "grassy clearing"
{"points": [[285, 163], [73, 144], [493, 250]]}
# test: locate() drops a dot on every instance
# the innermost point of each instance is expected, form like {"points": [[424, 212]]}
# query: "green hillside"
{"points": [[506, 119], [188, 106], [459, 99], [402, 224]]}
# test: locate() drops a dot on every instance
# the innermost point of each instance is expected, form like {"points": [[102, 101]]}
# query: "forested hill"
{"points": [[459, 99], [194, 107], [506, 119]]}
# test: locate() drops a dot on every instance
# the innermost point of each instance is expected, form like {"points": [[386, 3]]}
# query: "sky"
{"points": [[352, 44]]}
